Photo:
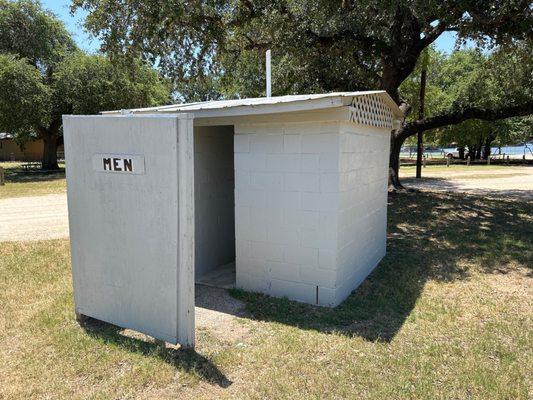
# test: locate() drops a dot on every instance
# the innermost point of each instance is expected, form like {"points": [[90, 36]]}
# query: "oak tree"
{"points": [[43, 76], [216, 47]]}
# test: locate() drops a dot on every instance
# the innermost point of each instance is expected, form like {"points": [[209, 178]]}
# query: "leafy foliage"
{"points": [[89, 84], [24, 98], [43, 76], [33, 33], [317, 45], [469, 78]]}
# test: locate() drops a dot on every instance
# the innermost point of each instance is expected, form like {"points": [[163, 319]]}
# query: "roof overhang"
{"points": [[264, 105]]}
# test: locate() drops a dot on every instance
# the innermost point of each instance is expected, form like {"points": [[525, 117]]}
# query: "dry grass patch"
{"points": [[463, 170], [447, 314], [21, 183]]}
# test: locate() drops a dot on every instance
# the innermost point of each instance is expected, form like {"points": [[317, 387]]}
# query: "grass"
{"points": [[429, 170], [472, 172], [447, 314], [30, 183]]}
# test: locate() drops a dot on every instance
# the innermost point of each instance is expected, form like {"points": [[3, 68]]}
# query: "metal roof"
{"points": [[264, 105]]}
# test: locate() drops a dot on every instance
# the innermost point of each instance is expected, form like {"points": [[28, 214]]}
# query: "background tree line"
{"points": [[215, 49], [470, 76], [43, 75]]}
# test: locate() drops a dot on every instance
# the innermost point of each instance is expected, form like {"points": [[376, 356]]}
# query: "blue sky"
{"points": [[73, 23], [61, 8]]}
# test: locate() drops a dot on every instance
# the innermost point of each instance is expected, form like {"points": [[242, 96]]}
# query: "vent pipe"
{"points": [[268, 75]]}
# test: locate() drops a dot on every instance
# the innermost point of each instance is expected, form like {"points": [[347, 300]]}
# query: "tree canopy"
{"points": [[44, 76], [89, 84], [25, 99], [322, 45], [216, 48], [34, 34]]}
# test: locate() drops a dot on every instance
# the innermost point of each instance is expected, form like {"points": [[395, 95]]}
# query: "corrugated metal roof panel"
{"points": [[305, 101]]}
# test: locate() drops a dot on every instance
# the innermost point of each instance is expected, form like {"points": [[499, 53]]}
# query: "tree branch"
{"points": [[432, 35], [457, 117], [329, 40]]}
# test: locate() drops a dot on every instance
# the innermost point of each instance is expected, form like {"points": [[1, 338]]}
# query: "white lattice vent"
{"points": [[371, 110]]}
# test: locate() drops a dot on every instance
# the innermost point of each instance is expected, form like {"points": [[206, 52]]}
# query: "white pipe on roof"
{"points": [[268, 75]]}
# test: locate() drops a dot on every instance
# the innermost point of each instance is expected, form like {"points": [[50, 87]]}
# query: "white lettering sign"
{"points": [[119, 163]]}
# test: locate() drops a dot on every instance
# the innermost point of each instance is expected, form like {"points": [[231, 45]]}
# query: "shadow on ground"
{"points": [[431, 236], [20, 175], [186, 359]]}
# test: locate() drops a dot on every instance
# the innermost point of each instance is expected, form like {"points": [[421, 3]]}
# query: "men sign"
{"points": [[120, 163]]}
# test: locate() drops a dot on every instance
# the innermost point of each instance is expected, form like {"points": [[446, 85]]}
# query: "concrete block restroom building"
{"points": [[288, 194]]}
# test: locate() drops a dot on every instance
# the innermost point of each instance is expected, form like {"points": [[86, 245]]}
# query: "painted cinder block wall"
{"points": [[214, 197], [363, 183], [310, 207]]}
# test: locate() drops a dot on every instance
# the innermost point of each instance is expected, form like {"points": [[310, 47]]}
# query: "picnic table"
{"points": [[30, 165]]}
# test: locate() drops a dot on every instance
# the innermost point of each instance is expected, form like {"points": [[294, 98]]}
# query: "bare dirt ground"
{"points": [[216, 311], [512, 181], [33, 218]]}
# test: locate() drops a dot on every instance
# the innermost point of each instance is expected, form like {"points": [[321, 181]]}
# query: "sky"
{"points": [[444, 43], [73, 23]]}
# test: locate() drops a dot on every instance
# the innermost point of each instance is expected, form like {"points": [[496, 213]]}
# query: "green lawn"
{"points": [[409, 170], [446, 315], [30, 183]]}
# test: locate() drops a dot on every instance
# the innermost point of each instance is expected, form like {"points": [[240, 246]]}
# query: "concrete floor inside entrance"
{"points": [[222, 277]]}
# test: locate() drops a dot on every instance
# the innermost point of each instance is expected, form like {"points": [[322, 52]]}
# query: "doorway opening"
{"points": [[214, 194]]}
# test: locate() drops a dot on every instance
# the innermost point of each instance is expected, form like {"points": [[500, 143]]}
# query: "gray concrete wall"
{"points": [[214, 197], [130, 245], [287, 209], [363, 174], [311, 201]]}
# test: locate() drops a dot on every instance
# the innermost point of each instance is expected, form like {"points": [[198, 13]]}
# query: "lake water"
{"points": [[517, 150]]}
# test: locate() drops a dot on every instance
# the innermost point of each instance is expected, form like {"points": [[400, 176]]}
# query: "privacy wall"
{"points": [[130, 203]]}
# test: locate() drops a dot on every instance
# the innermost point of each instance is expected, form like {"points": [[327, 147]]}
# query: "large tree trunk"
{"points": [[50, 153], [394, 161], [479, 147], [50, 138], [487, 146], [461, 150]]}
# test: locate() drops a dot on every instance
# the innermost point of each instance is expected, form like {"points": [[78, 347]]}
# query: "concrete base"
{"points": [[221, 277]]}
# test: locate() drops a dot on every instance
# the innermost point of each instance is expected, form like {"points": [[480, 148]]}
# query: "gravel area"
{"points": [[514, 182], [33, 218]]}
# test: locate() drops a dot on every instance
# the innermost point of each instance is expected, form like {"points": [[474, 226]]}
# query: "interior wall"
{"points": [[214, 185]]}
